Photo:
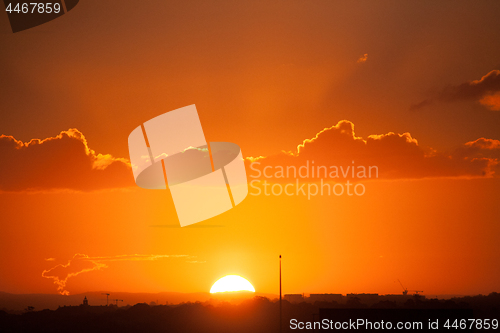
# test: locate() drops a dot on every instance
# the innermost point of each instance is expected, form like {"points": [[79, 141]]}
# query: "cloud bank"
{"points": [[66, 161], [61, 162], [396, 156]]}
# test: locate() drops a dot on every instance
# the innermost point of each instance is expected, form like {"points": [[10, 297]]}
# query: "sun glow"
{"points": [[231, 283]]}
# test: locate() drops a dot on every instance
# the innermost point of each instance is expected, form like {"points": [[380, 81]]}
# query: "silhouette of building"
{"points": [[365, 298], [325, 298], [294, 298], [85, 301], [368, 299], [398, 298]]}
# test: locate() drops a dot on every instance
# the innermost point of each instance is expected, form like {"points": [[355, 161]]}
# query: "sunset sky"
{"points": [[411, 87]]}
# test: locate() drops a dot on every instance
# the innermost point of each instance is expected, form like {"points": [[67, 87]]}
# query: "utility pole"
{"points": [[281, 319]]}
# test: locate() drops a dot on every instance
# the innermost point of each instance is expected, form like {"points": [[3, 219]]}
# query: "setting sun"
{"points": [[231, 283]]}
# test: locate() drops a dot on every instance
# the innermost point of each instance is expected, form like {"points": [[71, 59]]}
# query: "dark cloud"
{"points": [[66, 161], [396, 156], [485, 91], [61, 162]]}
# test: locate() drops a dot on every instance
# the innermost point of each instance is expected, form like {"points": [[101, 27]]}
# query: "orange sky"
{"points": [[267, 77]]}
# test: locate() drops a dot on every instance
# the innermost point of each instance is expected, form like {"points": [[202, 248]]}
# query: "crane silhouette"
{"points": [[116, 300], [107, 296], [405, 290]]}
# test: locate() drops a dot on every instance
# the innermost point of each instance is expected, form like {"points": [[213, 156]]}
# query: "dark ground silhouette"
{"points": [[255, 315]]}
